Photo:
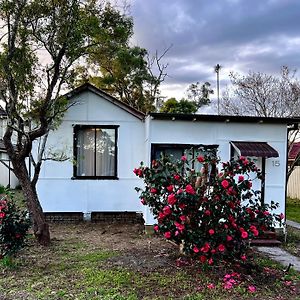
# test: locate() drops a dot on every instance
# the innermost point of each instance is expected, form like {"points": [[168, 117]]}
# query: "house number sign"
{"points": [[276, 163]]}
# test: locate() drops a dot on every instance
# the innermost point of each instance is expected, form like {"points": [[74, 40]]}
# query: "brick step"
{"points": [[265, 242], [268, 235]]}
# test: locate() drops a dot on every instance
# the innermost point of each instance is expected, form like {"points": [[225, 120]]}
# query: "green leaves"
{"points": [[212, 214]]}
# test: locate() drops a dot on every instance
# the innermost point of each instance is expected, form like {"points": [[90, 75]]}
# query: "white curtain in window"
{"points": [[105, 152], [85, 152]]}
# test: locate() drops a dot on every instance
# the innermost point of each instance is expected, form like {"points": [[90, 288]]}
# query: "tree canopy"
{"points": [[198, 96], [263, 94], [182, 106], [41, 43], [126, 72]]}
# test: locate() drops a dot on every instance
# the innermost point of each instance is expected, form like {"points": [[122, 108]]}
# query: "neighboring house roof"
{"points": [[294, 150], [113, 100], [224, 118]]}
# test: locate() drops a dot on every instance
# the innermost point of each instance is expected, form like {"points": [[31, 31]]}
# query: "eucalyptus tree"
{"points": [[41, 42]]}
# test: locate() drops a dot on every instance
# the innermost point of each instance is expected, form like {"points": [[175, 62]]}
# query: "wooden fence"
{"points": [[293, 188]]}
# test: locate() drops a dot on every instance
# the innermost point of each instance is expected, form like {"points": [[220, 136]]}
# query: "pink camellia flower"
{"points": [[2, 215], [207, 212], [251, 288], [244, 257], [176, 177], [183, 158], [213, 251], [161, 215], [225, 184], [179, 226], [167, 235], [210, 261], [211, 286], [221, 248], [229, 238], [156, 228], [249, 184], [246, 162], [167, 210], [179, 191], [205, 248], [241, 178], [138, 172], [153, 191], [281, 216], [190, 190], [202, 258], [244, 234], [228, 285], [211, 231], [200, 159], [172, 199], [170, 188], [255, 232], [143, 201], [182, 205], [196, 249], [227, 276], [182, 218], [288, 283], [266, 213]]}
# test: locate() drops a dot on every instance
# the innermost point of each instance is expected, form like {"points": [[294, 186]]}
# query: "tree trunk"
{"points": [[40, 226]]}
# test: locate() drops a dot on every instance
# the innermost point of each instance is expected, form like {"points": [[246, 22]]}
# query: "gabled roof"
{"points": [[294, 150], [89, 87]]}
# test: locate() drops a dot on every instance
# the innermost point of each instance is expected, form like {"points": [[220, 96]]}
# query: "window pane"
{"points": [[85, 152], [105, 152]]}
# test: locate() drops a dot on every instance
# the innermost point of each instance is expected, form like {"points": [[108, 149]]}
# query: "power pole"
{"points": [[217, 70]]}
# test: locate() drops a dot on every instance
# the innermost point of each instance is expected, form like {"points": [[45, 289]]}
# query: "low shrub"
{"points": [[211, 214], [14, 225]]}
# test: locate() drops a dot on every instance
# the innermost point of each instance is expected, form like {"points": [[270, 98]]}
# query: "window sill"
{"points": [[95, 178]]}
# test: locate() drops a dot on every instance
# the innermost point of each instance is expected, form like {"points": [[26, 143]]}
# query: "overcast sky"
{"points": [[240, 35]]}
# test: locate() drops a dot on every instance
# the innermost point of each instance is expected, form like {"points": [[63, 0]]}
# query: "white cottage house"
{"points": [[106, 139]]}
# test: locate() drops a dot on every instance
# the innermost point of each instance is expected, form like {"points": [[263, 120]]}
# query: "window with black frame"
{"points": [[95, 152], [176, 151]]}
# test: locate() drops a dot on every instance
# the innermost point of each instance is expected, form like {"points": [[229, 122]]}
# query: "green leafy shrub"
{"points": [[212, 215], [14, 225]]}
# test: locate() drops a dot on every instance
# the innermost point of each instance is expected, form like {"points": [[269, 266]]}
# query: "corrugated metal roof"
{"points": [[257, 149]]}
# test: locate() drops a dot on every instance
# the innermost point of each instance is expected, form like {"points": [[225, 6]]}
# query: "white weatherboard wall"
{"points": [[222, 133], [57, 190]]}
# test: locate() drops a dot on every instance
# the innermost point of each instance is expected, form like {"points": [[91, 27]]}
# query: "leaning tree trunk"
{"points": [[40, 226]]}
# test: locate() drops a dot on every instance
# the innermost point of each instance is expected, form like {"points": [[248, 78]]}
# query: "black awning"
{"points": [[257, 149]]}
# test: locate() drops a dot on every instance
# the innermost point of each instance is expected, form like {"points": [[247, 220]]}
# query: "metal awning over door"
{"points": [[257, 149]]}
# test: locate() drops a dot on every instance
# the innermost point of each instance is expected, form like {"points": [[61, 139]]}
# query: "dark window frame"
{"points": [[164, 146], [78, 127]]}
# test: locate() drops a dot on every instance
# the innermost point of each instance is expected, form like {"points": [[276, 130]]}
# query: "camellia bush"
{"points": [[211, 214], [14, 225]]}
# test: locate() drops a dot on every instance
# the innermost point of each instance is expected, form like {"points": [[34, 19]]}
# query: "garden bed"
{"points": [[98, 261]]}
